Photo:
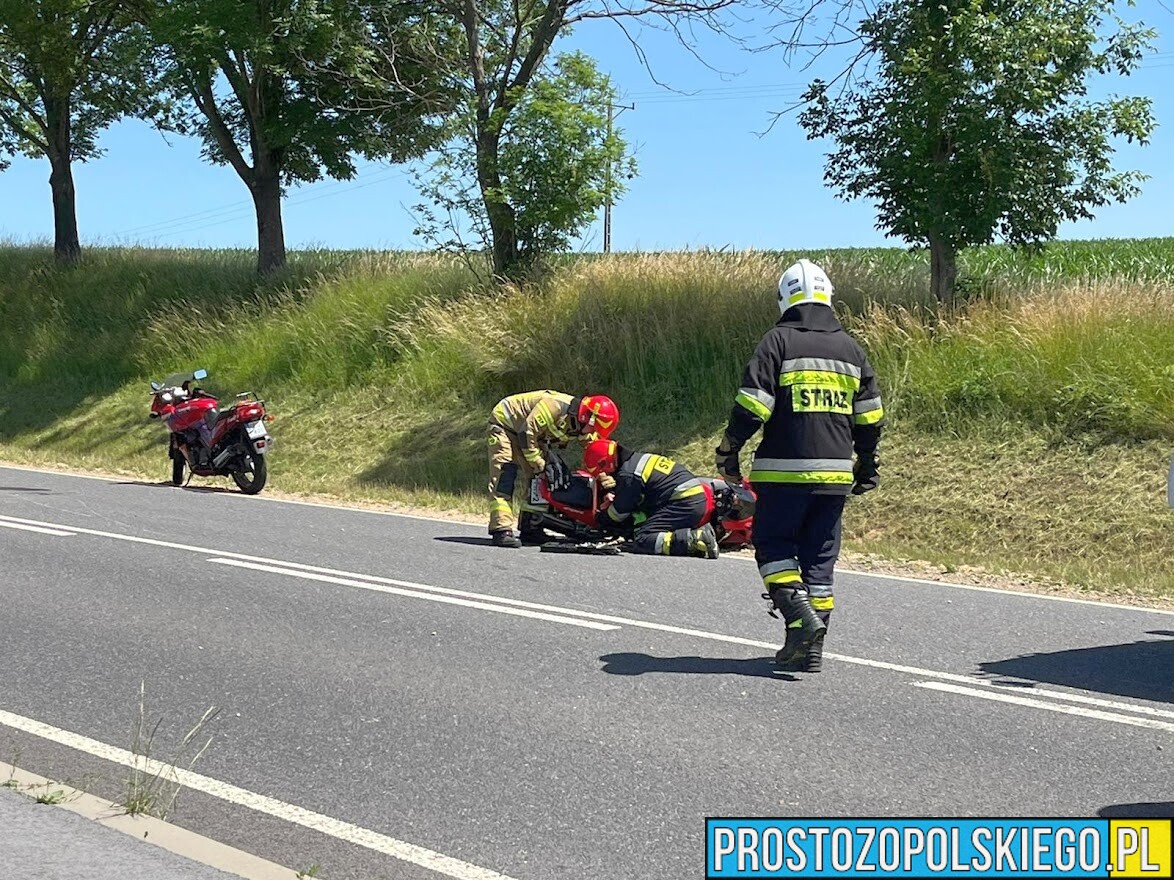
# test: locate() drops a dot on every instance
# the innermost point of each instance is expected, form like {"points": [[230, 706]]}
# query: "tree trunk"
{"points": [[266, 191], [943, 269], [503, 225], [67, 249]]}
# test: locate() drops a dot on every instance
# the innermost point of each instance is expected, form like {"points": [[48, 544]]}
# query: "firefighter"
{"points": [[522, 428], [811, 389], [677, 504]]}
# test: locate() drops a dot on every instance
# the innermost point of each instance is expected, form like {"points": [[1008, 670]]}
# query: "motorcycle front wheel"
{"points": [[250, 477], [176, 468]]}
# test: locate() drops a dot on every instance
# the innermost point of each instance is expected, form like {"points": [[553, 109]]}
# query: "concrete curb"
{"points": [[156, 832]]}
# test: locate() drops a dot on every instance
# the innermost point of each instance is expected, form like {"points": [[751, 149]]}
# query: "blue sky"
{"points": [[707, 176]]}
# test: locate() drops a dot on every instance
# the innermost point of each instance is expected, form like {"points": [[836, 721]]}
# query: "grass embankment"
{"points": [[1029, 432]]}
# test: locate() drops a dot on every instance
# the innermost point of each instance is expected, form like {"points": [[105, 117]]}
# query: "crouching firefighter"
{"points": [[811, 389], [522, 428], [677, 504]]}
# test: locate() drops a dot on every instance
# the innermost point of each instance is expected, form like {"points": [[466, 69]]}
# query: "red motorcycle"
{"points": [[209, 441], [572, 512]]}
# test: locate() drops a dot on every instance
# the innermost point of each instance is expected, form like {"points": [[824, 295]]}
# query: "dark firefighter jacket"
{"points": [[647, 482], [811, 389]]}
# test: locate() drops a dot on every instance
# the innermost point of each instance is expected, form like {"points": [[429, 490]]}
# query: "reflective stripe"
{"points": [[500, 414], [664, 542], [868, 405], [871, 418], [823, 603], [823, 591], [783, 577], [825, 365], [500, 505], [642, 464], [834, 478], [803, 464], [757, 401], [826, 378], [782, 565], [688, 489], [532, 454], [615, 516], [815, 296]]}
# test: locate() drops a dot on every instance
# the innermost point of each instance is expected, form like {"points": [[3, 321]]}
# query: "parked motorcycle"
{"points": [[210, 441], [571, 511]]}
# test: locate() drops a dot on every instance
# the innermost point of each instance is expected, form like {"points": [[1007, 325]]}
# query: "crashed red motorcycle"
{"points": [[209, 441], [571, 513]]}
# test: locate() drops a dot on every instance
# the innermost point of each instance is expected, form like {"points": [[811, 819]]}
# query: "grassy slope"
{"points": [[1030, 432]]}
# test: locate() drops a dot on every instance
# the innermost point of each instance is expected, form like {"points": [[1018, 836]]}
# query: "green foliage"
{"points": [[558, 163], [297, 85], [81, 64], [975, 125]]}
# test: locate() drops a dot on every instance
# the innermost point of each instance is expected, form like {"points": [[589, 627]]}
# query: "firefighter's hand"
{"points": [[728, 466], [865, 474], [606, 482], [558, 476]]}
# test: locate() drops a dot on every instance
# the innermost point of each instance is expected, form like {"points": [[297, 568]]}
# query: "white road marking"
{"points": [[414, 594], [469, 523], [363, 580], [364, 837], [1040, 704], [38, 529]]}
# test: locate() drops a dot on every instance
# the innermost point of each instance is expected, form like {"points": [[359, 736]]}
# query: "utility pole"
{"points": [[611, 114]]}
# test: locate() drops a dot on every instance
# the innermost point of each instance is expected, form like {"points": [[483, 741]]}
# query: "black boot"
{"points": [[810, 660], [804, 626], [505, 538]]}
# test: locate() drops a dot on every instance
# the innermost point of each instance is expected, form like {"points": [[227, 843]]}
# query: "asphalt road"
{"points": [[397, 699]]}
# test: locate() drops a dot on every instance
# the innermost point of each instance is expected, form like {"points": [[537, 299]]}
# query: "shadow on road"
{"points": [[1142, 669], [639, 664], [33, 490], [167, 484], [1138, 811], [464, 539]]}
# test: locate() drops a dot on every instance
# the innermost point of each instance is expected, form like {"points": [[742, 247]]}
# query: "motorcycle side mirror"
{"points": [[155, 386], [200, 374]]}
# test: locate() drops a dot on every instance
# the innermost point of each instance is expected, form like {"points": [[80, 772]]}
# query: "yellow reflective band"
{"points": [[756, 407], [500, 414], [802, 296], [688, 493], [836, 477], [823, 603], [820, 377], [790, 576], [871, 418], [656, 463], [666, 539], [500, 505], [532, 454]]}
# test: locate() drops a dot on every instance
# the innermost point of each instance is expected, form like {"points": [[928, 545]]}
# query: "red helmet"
{"points": [[599, 457], [598, 415]]}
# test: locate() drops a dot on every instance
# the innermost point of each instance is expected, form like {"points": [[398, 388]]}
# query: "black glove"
{"points": [[864, 473], [558, 475], [725, 459]]}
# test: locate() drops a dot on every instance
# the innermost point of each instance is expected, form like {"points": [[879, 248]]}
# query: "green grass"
{"points": [[1030, 431]]}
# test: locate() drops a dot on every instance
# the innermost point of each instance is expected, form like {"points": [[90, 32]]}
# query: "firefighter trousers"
{"points": [[796, 539], [508, 473], [666, 530]]}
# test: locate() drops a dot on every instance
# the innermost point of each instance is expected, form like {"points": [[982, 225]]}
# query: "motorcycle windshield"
{"points": [[175, 380]]}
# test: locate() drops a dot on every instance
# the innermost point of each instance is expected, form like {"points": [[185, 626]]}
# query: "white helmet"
{"points": [[804, 282]]}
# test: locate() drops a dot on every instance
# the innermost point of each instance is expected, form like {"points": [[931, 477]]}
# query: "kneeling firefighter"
{"points": [[678, 505], [811, 389], [522, 428]]}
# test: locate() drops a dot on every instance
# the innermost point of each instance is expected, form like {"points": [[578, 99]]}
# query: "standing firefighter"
{"points": [[677, 504], [811, 389], [522, 429]]}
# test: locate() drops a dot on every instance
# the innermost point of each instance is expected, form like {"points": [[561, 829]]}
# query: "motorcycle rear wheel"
{"points": [[251, 479]]}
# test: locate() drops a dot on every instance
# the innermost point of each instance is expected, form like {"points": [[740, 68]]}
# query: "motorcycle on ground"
{"points": [[209, 441], [571, 513]]}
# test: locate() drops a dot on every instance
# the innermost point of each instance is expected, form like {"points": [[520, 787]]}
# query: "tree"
{"points": [[68, 69], [977, 122], [287, 91], [559, 161], [505, 45]]}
